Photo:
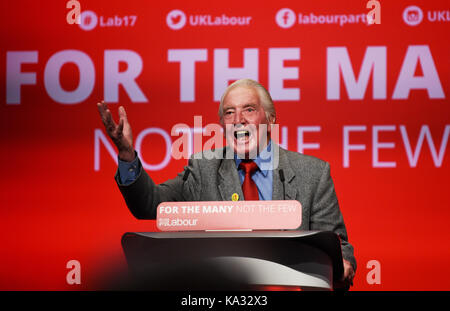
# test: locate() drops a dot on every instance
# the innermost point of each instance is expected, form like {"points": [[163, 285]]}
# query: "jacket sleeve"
{"points": [[326, 214], [143, 196]]}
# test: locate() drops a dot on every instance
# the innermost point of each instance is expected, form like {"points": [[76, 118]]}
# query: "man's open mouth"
{"points": [[240, 134]]}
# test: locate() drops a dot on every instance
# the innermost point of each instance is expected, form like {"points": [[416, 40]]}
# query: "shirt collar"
{"points": [[264, 157]]}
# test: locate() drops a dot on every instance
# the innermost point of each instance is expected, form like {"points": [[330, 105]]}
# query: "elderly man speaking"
{"points": [[246, 114]]}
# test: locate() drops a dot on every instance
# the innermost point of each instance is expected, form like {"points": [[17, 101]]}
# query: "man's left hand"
{"points": [[347, 278]]}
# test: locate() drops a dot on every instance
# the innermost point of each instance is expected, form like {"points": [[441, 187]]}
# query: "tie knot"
{"points": [[249, 167]]}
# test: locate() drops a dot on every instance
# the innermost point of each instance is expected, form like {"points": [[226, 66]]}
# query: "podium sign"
{"points": [[229, 215]]}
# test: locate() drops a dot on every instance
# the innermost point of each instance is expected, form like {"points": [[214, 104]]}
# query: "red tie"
{"points": [[249, 187]]}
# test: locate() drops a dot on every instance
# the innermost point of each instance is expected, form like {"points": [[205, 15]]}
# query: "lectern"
{"points": [[252, 260]]}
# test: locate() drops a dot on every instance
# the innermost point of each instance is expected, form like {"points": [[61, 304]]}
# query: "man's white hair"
{"points": [[264, 97]]}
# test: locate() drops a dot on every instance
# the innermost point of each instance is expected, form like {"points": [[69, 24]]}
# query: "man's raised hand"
{"points": [[120, 133]]}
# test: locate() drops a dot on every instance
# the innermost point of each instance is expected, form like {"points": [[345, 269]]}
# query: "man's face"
{"points": [[242, 116]]}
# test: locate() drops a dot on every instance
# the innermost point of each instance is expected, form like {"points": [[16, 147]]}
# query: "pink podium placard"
{"points": [[229, 215]]}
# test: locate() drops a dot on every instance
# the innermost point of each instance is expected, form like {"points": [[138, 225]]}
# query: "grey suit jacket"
{"points": [[213, 178]]}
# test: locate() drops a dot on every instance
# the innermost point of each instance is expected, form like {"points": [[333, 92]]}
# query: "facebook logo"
{"points": [[285, 18]]}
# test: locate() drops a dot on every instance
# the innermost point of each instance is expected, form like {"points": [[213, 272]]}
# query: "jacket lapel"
{"points": [[229, 182], [289, 174]]}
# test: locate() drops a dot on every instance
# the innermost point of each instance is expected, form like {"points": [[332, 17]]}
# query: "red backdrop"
{"points": [[327, 70]]}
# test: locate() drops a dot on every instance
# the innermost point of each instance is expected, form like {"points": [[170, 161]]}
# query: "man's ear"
{"points": [[271, 124]]}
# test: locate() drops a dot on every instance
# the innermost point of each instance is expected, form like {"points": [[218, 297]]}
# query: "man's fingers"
{"points": [[110, 124], [123, 115], [115, 131], [122, 118], [349, 274], [101, 107], [120, 127], [107, 117], [105, 113], [122, 112]]}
